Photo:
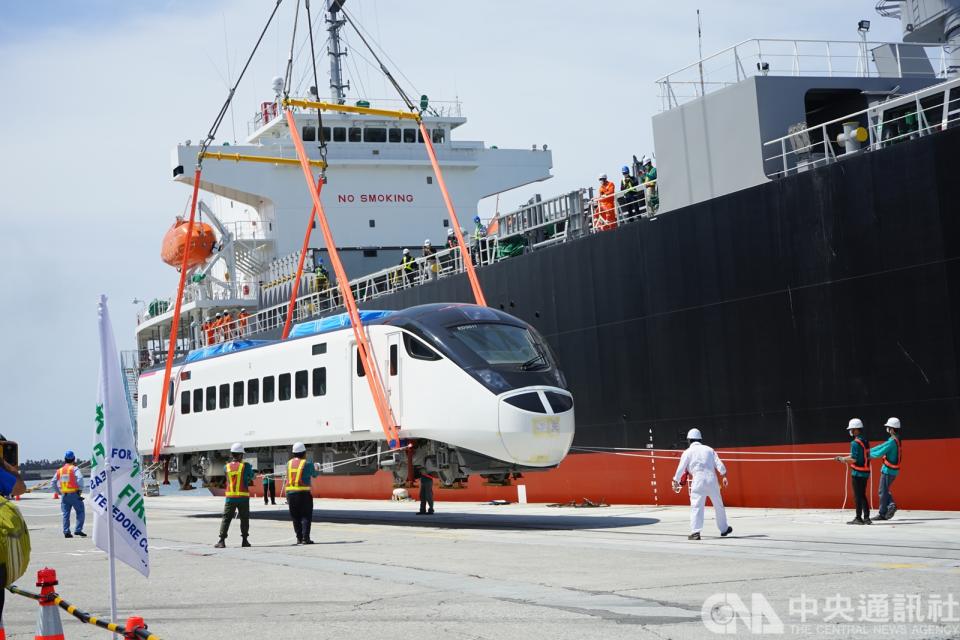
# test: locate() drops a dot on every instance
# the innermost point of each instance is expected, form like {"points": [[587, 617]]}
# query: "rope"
{"points": [[82, 616], [676, 457], [738, 452]]}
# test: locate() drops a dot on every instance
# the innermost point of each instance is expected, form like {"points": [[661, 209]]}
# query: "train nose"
{"points": [[536, 425]]}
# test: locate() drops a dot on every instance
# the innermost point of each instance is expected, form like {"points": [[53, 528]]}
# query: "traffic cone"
{"points": [[16, 499], [134, 624], [49, 626], [56, 496], [3, 633]]}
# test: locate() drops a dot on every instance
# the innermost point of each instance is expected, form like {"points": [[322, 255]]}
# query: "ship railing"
{"points": [[270, 111], [209, 289], [626, 205], [921, 113], [812, 58]]}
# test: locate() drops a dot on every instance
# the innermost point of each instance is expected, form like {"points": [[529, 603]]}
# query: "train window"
{"points": [[438, 136], [268, 389], [300, 384], [319, 349], [394, 135], [339, 134], [225, 396], [416, 349], [211, 398], [197, 400], [409, 135], [170, 394], [185, 402], [238, 393], [320, 381], [253, 391], [284, 384], [325, 132], [559, 403], [393, 359], [355, 134], [502, 344], [143, 401], [527, 401], [375, 134]]}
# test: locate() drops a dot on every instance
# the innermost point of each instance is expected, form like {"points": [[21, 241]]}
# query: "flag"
{"points": [[115, 466]]}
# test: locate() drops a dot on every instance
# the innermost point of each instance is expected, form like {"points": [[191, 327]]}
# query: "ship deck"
{"points": [[485, 571]]}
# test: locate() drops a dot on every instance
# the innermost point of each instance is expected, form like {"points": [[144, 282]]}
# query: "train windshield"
{"points": [[503, 345]]}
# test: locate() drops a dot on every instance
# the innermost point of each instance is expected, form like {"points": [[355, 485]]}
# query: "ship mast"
{"points": [[337, 85]]}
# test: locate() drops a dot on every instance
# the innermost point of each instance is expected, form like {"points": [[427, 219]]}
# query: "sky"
{"points": [[99, 92]]}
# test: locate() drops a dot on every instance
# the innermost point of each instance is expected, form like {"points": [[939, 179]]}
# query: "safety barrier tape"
{"points": [[82, 616]]}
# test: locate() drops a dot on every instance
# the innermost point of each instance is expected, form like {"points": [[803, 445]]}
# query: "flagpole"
{"points": [[109, 462]]}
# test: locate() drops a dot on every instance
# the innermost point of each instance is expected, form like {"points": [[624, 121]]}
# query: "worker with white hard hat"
{"points": [[891, 453], [702, 464], [605, 213], [237, 492], [299, 498], [430, 267], [859, 461], [407, 266]]}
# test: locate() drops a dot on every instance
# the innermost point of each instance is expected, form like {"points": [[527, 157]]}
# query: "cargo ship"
{"points": [[797, 270]]}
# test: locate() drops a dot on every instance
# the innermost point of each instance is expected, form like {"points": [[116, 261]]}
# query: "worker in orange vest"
{"points": [[228, 327], [239, 478], [218, 328], [606, 216], [69, 482], [208, 331], [299, 498], [242, 322]]}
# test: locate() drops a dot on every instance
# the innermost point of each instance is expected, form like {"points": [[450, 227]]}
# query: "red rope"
{"points": [[303, 254]]}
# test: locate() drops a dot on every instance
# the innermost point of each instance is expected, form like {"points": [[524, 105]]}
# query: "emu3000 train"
{"points": [[474, 391]]}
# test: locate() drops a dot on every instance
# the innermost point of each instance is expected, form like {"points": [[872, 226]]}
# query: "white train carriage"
{"points": [[474, 391]]}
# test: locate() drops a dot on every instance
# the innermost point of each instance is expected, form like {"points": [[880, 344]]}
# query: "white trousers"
{"points": [[698, 500]]}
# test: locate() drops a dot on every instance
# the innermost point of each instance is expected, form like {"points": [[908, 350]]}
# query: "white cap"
{"points": [[855, 423], [893, 423], [406, 251], [236, 447], [694, 434], [298, 447], [603, 176]]}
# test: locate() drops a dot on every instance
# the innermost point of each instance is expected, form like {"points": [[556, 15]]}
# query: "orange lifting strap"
{"points": [[175, 323], [364, 350], [295, 290]]}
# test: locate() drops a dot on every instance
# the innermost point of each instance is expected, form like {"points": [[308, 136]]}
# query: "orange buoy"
{"points": [[198, 249]]}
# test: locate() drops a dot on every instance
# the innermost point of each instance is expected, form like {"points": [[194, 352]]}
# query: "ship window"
{"points": [[238, 393], [284, 384], [268, 389], [409, 135], [309, 134], [253, 391], [339, 134], [418, 350], [393, 359], [369, 253], [320, 348], [185, 402], [429, 179], [225, 396], [394, 135], [526, 401], [360, 371], [372, 223], [375, 134], [300, 389], [559, 403], [197, 400], [325, 132], [438, 136], [320, 381], [355, 134], [143, 401], [419, 136], [211, 398]]}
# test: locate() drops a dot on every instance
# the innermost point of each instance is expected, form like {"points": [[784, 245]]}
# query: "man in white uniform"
{"points": [[702, 464]]}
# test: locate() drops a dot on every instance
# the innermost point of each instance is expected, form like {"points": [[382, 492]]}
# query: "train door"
{"points": [[394, 375]]}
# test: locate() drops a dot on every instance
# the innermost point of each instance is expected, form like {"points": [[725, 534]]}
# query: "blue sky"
{"points": [[97, 93]]}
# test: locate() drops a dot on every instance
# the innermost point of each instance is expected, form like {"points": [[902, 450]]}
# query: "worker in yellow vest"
{"points": [[239, 478], [299, 498], [69, 482]]}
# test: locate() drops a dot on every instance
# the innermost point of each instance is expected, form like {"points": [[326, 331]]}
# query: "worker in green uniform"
{"points": [[239, 478], [649, 180], [859, 461], [892, 455]]}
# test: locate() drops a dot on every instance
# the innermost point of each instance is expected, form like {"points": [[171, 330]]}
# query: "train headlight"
{"points": [[492, 379]]}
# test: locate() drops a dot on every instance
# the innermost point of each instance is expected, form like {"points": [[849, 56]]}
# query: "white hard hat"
{"points": [[449, 232], [236, 447], [694, 434], [855, 423], [426, 242], [893, 423], [406, 251], [603, 176], [298, 447]]}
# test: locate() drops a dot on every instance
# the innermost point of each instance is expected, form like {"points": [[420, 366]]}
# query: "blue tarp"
{"points": [[226, 347], [333, 323]]}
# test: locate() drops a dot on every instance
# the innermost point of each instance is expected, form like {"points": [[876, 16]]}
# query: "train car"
{"points": [[474, 391]]}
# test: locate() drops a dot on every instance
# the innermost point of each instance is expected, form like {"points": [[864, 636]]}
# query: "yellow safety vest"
{"points": [[294, 475], [236, 485]]}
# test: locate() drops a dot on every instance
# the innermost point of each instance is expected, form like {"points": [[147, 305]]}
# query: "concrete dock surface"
{"points": [[478, 571]]}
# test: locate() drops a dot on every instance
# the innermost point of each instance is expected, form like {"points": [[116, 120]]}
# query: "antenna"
{"points": [[337, 85], [700, 50]]}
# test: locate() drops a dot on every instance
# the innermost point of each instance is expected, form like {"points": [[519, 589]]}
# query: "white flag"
{"points": [[114, 449]]}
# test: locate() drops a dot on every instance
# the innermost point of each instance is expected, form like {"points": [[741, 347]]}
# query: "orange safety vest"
{"points": [[866, 460], [889, 464], [236, 483], [67, 479], [294, 475]]}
